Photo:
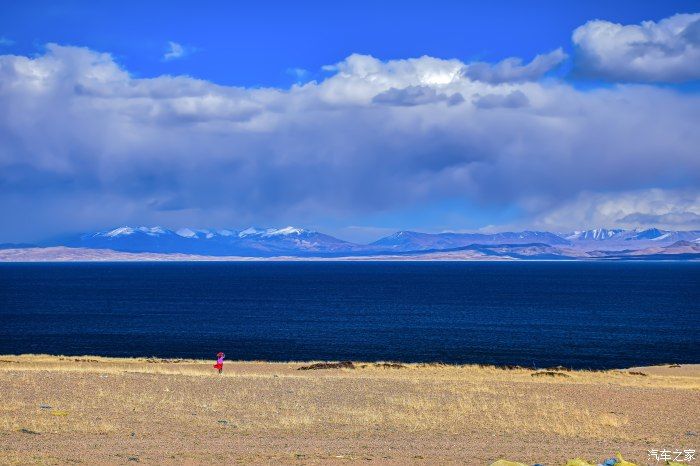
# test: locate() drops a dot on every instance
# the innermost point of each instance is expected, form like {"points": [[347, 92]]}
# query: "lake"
{"points": [[576, 314]]}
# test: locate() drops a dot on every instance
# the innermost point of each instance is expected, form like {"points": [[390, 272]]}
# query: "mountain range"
{"points": [[301, 243], [255, 242]]}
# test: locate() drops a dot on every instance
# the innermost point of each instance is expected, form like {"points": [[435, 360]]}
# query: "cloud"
{"points": [[86, 144], [682, 219], [5, 42], [415, 95], [176, 51], [513, 70], [667, 51], [670, 208], [513, 99], [299, 74]]}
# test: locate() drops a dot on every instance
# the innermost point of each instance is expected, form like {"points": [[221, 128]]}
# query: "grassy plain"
{"points": [[93, 410]]}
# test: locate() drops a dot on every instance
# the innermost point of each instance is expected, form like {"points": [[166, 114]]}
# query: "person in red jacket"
{"points": [[219, 362]]}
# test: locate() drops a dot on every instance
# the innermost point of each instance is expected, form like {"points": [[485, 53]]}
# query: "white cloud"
{"points": [[84, 141], [648, 52], [513, 70], [5, 42], [669, 208], [176, 51]]}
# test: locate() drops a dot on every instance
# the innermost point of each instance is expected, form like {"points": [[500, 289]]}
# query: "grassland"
{"points": [[91, 410]]}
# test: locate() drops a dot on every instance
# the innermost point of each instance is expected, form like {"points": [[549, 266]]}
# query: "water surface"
{"points": [[596, 315]]}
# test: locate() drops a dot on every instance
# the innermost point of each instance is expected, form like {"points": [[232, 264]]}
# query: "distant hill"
{"points": [[16, 245], [296, 242], [413, 241]]}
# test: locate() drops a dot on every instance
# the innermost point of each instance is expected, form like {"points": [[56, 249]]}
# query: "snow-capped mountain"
{"points": [[413, 241], [583, 240], [222, 242], [292, 240], [299, 242], [610, 239], [125, 231], [254, 232], [666, 236]]}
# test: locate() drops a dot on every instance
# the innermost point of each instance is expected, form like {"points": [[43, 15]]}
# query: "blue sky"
{"points": [[355, 119], [259, 43]]}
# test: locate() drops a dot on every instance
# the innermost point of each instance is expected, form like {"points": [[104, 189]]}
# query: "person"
{"points": [[219, 362]]}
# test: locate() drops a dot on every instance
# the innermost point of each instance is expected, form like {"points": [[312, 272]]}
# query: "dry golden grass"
{"points": [[102, 410]]}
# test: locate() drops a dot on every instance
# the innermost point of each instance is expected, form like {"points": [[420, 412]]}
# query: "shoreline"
{"points": [[59, 409], [695, 366]]}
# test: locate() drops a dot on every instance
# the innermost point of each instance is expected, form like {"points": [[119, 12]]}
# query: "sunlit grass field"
{"points": [[91, 409]]}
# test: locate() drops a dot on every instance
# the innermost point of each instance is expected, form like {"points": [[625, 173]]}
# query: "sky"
{"points": [[356, 120]]}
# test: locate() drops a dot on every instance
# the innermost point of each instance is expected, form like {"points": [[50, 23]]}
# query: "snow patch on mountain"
{"points": [[597, 234], [126, 231], [651, 233], [186, 233], [271, 232], [251, 231], [284, 231], [121, 231]]}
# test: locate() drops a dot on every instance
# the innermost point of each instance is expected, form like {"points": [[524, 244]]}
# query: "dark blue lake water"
{"points": [[597, 315]]}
